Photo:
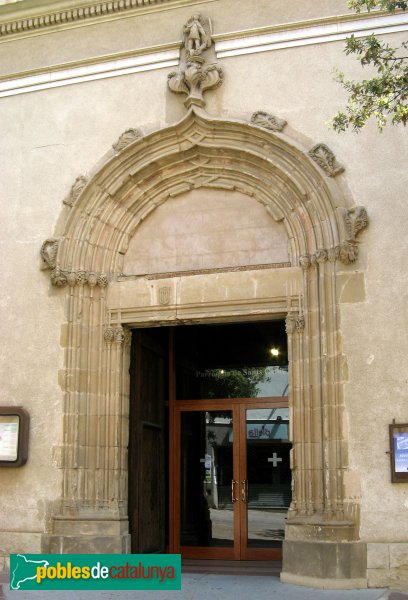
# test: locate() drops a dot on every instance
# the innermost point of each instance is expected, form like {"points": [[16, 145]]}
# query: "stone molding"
{"points": [[72, 14], [193, 78]]}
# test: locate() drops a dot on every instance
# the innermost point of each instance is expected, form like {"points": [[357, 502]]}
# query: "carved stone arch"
{"points": [[86, 254]]}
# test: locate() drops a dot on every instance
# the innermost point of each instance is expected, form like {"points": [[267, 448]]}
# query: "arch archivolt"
{"points": [[101, 216]]}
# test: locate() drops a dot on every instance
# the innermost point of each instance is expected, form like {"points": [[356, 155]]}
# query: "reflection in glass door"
{"points": [[267, 477], [234, 479], [206, 476]]}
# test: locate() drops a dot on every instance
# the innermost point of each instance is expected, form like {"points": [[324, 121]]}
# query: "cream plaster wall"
{"points": [[48, 138], [206, 229]]}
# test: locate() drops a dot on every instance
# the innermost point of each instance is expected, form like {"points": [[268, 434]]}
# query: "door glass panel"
{"points": [[231, 361], [268, 476], [206, 475]]}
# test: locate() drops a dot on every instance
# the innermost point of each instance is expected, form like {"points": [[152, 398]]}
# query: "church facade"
{"points": [[186, 242]]}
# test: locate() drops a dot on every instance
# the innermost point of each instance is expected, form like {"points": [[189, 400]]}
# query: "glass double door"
{"points": [[232, 478]]}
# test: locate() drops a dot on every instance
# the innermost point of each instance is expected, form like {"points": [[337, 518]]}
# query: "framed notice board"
{"points": [[399, 452], [14, 427]]}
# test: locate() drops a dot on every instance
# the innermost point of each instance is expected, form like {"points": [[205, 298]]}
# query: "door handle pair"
{"points": [[244, 490]]}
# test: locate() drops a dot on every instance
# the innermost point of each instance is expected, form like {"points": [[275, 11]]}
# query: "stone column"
{"points": [[321, 546], [92, 515]]}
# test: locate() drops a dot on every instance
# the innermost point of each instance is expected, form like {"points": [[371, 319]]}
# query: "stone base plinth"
{"points": [[87, 536], [323, 564]]}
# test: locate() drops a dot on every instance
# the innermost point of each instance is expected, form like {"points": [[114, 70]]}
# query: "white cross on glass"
{"points": [[274, 459]]}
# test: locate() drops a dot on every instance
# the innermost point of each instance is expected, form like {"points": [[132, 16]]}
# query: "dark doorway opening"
{"points": [[208, 439]]}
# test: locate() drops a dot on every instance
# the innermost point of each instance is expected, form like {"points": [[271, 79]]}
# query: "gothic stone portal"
{"points": [[86, 260]]}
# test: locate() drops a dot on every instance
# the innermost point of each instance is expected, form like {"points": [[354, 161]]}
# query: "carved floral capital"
{"points": [[61, 278], [114, 334], [294, 323]]}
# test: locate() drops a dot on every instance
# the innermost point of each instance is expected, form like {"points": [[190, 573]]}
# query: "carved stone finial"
{"points": [[355, 220], [193, 78], [325, 158], [49, 251], [76, 190], [128, 137], [268, 121]]}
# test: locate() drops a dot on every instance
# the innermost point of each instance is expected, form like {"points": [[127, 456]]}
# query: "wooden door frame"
{"points": [[238, 406]]}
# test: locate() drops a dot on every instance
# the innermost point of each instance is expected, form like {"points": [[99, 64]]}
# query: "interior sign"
{"points": [[14, 425], [399, 452]]}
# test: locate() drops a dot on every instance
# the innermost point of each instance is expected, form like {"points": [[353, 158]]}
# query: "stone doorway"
{"points": [[87, 258]]}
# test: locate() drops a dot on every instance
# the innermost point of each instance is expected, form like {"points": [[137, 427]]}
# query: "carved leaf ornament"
{"points": [[324, 157], [268, 121]]}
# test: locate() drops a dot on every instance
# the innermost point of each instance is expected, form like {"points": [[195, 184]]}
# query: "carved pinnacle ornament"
{"points": [[193, 78], [325, 158]]}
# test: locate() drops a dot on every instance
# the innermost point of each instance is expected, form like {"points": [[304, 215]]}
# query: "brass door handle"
{"points": [[244, 491], [233, 497]]}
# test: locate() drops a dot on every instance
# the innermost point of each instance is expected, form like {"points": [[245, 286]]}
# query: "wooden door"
{"points": [[147, 468]]}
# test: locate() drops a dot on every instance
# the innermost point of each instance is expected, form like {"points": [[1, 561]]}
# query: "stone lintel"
{"points": [[325, 564]]}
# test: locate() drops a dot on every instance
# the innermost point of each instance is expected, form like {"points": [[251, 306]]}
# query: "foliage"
{"points": [[383, 96]]}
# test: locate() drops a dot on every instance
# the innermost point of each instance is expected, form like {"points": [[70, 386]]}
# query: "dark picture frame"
{"points": [[399, 452], [14, 431]]}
